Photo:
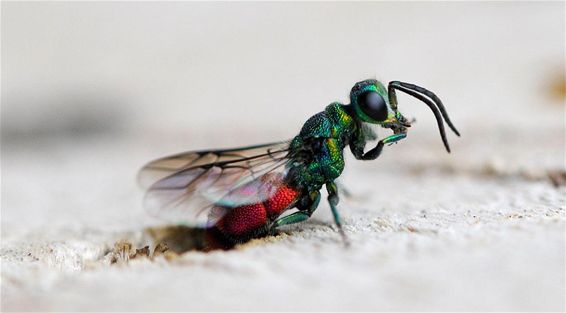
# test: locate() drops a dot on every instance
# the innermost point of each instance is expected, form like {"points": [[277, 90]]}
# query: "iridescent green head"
{"points": [[375, 104], [371, 104]]}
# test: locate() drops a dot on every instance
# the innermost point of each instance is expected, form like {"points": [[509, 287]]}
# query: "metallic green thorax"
{"points": [[316, 153], [317, 150]]}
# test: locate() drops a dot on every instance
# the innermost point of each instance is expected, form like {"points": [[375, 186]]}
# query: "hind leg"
{"points": [[299, 216]]}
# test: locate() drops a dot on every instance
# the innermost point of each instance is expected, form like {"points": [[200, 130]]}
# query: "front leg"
{"points": [[333, 199], [357, 147]]}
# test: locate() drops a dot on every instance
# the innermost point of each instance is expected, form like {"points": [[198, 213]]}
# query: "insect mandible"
{"points": [[242, 193]]}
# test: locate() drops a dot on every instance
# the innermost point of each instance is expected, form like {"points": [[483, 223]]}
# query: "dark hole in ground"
{"points": [[557, 178], [181, 239]]}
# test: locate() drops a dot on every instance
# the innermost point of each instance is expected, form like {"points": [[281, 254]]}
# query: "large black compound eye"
{"points": [[373, 105]]}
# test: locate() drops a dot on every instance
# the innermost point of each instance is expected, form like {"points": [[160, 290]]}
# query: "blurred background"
{"points": [[92, 91]]}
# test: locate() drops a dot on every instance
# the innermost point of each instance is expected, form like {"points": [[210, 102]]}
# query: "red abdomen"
{"points": [[247, 220]]}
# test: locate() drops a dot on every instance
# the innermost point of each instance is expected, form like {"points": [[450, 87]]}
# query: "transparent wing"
{"points": [[163, 167], [188, 186]]}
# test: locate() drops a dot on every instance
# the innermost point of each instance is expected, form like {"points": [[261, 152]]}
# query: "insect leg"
{"points": [[299, 216], [371, 154], [358, 149], [333, 199]]}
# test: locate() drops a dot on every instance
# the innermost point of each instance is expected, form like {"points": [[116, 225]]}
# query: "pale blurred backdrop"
{"points": [[92, 90], [146, 67]]}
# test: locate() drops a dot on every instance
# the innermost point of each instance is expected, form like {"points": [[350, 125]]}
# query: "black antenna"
{"points": [[438, 110]]}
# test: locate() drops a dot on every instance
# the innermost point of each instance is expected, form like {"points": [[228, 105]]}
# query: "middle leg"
{"points": [[333, 199]]}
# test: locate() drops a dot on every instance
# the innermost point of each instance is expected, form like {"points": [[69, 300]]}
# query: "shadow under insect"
{"points": [[181, 239]]}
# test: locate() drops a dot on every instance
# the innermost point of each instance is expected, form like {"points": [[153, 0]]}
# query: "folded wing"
{"points": [[186, 187]]}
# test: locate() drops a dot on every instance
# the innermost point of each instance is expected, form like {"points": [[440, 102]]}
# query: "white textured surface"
{"points": [[423, 237], [479, 229]]}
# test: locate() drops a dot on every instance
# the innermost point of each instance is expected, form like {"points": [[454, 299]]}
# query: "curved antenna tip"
{"points": [[455, 131], [446, 144]]}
